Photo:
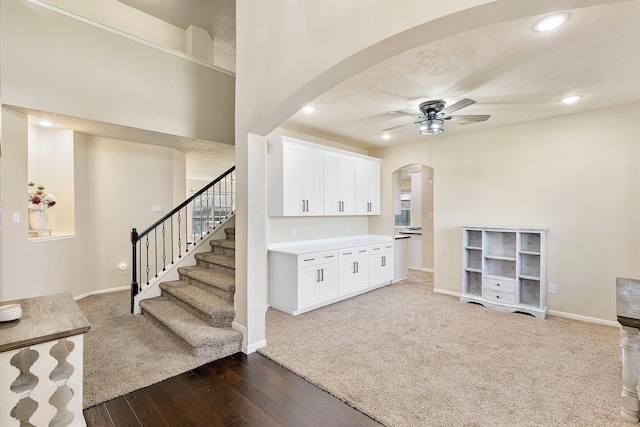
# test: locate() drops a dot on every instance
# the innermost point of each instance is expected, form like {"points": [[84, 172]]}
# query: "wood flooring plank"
{"points": [[97, 416], [167, 407], [121, 413], [144, 408]]}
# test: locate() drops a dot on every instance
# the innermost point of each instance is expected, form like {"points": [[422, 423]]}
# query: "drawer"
{"points": [[381, 247], [507, 298], [306, 260], [348, 253], [328, 256], [499, 285]]}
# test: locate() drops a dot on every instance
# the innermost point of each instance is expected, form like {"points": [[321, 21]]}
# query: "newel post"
{"points": [[134, 264]]}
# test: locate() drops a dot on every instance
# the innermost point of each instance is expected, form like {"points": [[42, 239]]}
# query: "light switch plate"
{"points": [[16, 217]]}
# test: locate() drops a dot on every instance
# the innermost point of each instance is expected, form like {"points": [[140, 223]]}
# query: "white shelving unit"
{"points": [[504, 268]]}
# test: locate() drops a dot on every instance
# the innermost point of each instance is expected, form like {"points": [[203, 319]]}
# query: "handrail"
{"points": [[200, 214]]}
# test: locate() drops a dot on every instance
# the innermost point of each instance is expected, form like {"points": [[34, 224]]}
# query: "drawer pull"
{"points": [[328, 256], [308, 259], [364, 250], [346, 253]]}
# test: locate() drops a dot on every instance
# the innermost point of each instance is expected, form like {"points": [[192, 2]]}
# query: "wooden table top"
{"points": [[44, 318]]}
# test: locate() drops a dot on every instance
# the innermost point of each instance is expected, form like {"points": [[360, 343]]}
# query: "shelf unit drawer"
{"points": [[305, 260], [499, 285], [504, 297]]}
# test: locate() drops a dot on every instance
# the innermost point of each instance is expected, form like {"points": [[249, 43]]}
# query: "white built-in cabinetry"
{"points": [[312, 180], [305, 276], [505, 268]]}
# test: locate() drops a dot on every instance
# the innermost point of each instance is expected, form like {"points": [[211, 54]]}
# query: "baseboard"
{"points": [[426, 270], [101, 291], [255, 346], [584, 318], [551, 312]]}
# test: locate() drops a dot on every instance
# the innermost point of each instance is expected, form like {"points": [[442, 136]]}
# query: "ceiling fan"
{"points": [[434, 114]]}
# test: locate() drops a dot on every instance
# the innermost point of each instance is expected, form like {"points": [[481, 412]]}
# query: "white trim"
{"points": [[101, 291], [121, 33], [445, 292], [241, 328], [50, 238], [255, 346], [583, 318], [551, 312], [426, 270]]}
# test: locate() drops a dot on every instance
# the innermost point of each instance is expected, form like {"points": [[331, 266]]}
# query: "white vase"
{"points": [[38, 220]]}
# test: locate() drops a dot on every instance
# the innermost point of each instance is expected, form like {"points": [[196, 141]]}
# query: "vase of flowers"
{"points": [[39, 202]]}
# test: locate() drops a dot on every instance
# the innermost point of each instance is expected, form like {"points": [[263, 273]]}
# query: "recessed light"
{"points": [[551, 22], [46, 123], [386, 136], [308, 109], [570, 99]]}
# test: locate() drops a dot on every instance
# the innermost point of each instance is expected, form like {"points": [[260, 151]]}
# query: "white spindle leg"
{"points": [[629, 346]]}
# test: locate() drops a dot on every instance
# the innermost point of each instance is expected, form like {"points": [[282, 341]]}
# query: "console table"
{"points": [[628, 312], [41, 363]]}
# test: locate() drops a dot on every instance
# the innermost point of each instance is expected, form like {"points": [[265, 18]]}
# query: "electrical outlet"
{"points": [[293, 232], [552, 288]]}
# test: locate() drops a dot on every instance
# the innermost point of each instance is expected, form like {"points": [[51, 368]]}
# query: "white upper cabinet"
{"points": [[296, 180], [312, 180], [367, 187], [339, 184]]}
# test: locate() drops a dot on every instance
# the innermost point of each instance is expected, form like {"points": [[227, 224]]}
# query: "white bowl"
{"points": [[10, 312]]}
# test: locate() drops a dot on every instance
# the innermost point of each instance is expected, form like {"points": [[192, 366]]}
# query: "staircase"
{"points": [[198, 308]]}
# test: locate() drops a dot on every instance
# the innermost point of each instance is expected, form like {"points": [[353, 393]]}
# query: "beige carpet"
{"points": [[407, 356], [125, 352]]}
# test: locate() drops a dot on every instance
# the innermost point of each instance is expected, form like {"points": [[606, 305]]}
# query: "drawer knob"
{"points": [[498, 296]]}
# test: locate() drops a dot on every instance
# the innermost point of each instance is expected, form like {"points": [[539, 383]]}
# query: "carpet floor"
{"points": [[124, 352], [407, 356]]}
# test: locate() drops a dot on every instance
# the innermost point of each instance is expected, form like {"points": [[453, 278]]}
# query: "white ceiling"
{"points": [[514, 74]]}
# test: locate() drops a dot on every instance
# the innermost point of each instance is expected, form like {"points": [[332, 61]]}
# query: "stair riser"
{"points": [[223, 251], [230, 235], [219, 321], [220, 293], [217, 352], [216, 267]]}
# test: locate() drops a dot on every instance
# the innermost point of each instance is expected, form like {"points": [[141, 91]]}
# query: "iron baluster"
{"points": [[179, 239], [134, 282], [147, 269], [164, 249]]}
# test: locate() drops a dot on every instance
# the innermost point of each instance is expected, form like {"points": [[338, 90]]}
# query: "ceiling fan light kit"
{"points": [[434, 114]]}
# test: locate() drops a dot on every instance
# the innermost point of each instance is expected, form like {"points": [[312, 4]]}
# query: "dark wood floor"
{"points": [[236, 391]]}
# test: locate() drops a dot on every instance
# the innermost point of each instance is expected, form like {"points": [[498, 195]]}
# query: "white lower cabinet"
{"points": [[381, 267], [354, 270], [300, 282]]}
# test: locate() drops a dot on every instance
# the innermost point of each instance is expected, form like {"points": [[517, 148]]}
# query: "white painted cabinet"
{"points": [[505, 268], [367, 187], [381, 264], [353, 270], [296, 187], [308, 179], [339, 184], [303, 279]]}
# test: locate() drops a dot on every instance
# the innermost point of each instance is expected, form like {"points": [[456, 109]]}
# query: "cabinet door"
{"points": [[302, 180], [367, 187], [307, 286], [360, 278], [345, 277], [339, 184], [328, 282]]}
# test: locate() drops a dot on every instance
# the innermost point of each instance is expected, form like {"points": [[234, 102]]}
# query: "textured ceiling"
{"points": [[514, 74]]}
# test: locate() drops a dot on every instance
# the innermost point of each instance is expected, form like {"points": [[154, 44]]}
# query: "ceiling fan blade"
{"points": [[399, 126], [469, 118], [418, 116], [457, 106]]}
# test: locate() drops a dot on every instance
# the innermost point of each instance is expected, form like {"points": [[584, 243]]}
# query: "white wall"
{"points": [[116, 183], [53, 63], [570, 174]]}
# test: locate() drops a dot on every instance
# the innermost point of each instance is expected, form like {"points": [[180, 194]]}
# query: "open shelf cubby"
{"points": [[508, 273]]}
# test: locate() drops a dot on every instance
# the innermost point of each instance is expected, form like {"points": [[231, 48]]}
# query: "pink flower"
{"points": [[35, 200]]}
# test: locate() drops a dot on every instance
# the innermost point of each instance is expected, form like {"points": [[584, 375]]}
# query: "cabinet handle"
{"points": [[328, 256], [384, 261], [302, 205], [354, 268], [322, 274], [308, 259], [317, 275], [357, 266], [363, 251], [307, 205]]}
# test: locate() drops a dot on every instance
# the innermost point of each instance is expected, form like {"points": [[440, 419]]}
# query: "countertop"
{"points": [[308, 246], [43, 319]]}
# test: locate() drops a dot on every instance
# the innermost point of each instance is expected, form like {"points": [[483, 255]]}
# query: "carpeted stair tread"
{"points": [[200, 299], [209, 277], [219, 259], [187, 326]]}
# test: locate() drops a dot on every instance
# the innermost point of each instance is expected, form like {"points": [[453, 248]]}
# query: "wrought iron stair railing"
{"points": [[169, 238]]}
